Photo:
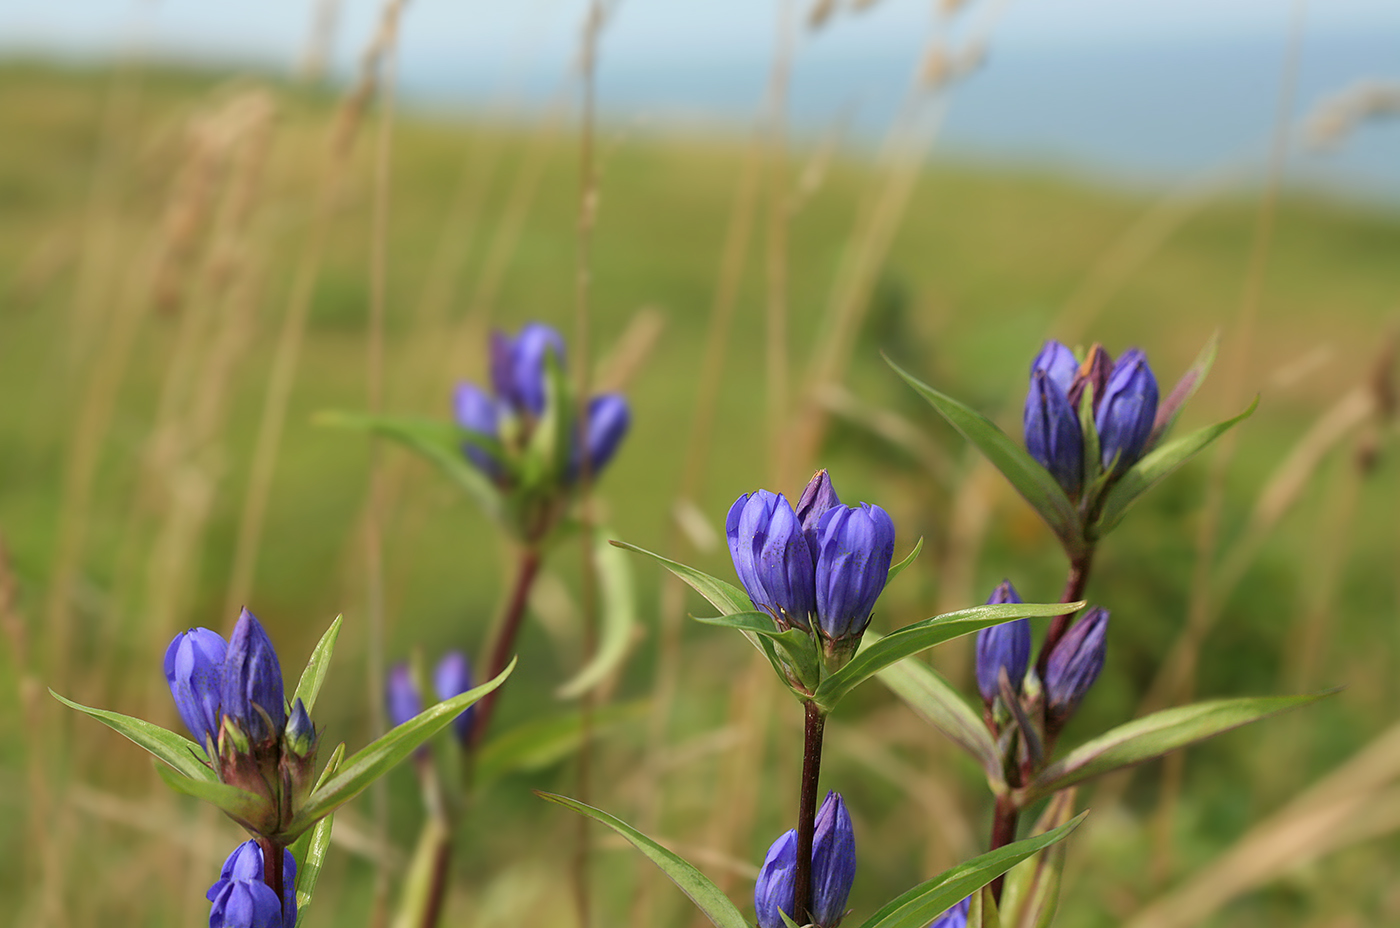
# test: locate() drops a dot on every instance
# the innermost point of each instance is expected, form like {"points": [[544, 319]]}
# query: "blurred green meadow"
{"points": [[154, 229]]}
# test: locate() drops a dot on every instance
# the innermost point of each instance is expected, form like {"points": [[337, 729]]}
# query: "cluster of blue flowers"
{"points": [[451, 677], [509, 416], [242, 900], [230, 697], [833, 871], [1122, 412], [819, 567], [1071, 668]]}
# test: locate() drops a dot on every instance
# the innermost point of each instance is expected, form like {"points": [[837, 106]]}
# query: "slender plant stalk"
{"points": [[272, 865], [1075, 582], [807, 811], [505, 641]]}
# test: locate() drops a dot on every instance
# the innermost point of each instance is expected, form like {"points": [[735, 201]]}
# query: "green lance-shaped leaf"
{"points": [[1170, 408], [316, 668], [911, 639], [726, 597], [238, 804], [1155, 466], [310, 849], [176, 750], [936, 701], [897, 569], [542, 742], [1031, 480], [706, 895], [371, 762], [619, 619], [438, 441], [800, 647], [1157, 734], [920, 905]]}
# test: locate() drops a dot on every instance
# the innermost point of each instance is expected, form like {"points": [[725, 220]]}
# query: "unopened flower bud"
{"points": [[300, 738], [194, 669], [478, 412], [401, 697], [1075, 663], [1129, 409], [771, 557], [236, 906], [1053, 435], [608, 419], [1003, 647], [833, 862], [518, 366], [453, 677], [774, 890], [855, 545], [817, 497], [252, 681]]}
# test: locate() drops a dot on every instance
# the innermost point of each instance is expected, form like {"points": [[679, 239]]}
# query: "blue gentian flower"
{"points": [[855, 545], [194, 669], [1005, 646], [771, 556], [252, 681], [453, 677], [833, 861], [401, 697], [1129, 410], [238, 901], [774, 888], [1075, 663]]}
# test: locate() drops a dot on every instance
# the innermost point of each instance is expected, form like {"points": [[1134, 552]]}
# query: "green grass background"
{"points": [[982, 264]]}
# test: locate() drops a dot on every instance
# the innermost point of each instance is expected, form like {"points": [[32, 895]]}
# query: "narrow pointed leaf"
{"points": [[708, 897], [1155, 466], [726, 597], [935, 700], [801, 650], [239, 804], [1185, 388], [371, 762], [911, 639], [897, 569], [920, 905], [1157, 734], [1032, 481], [316, 668], [543, 742], [1032, 889], [619, 620], [176, 750], [310, 849], [438, 441]]}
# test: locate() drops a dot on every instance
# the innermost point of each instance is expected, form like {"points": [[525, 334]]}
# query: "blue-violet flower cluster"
{"points": [[242, 900], [819, 567], [833, 870], [1122, 413]]}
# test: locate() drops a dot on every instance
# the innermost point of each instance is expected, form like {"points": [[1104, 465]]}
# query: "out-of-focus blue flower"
{"points": [[194, 665], [476, 411], [401, 696], [956, 917], [252, 681], [833, 861], [771, 557], [1075, 663], [1129, 409], [1003, 646], [1053, 434], [774, 889], [855, 545], [608, 419], [518, 366], [1058, 364], [236, 905], [453, 677]]}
